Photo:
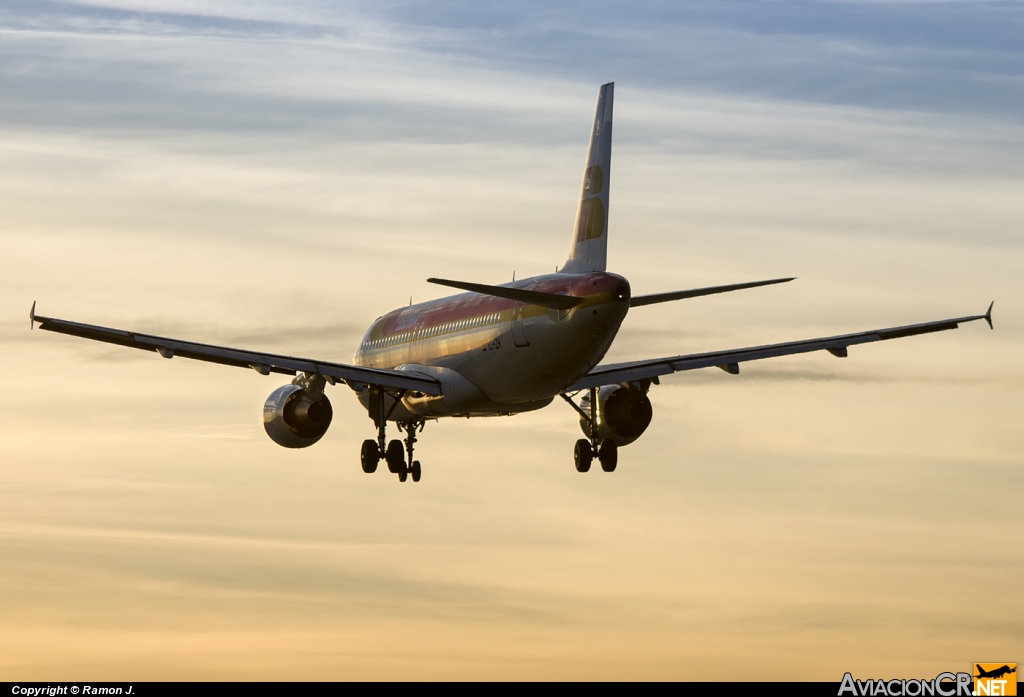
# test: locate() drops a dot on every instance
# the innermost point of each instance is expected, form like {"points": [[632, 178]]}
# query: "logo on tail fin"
{"points": [[591, 220]]}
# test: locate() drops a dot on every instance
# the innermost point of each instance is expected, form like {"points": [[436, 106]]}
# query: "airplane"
{"points": [[996, 673], [497, 350]]}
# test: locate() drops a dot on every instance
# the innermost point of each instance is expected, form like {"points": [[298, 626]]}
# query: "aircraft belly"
{"points": [[460, 397]]}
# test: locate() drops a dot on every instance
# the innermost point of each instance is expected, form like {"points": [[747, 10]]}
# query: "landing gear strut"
{"points": [[606, 450], [411, 466], [399, 459]]}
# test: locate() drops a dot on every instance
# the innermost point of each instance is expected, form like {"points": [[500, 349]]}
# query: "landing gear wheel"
{"points": [[396, 457], [583, 454], [404, 474], [416, 471], [608, 454], [370, 456]]}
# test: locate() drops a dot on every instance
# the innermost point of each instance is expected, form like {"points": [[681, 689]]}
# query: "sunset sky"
{"points": [[276, 175]]}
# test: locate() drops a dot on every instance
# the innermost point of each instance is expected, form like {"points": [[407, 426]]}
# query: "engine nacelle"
{"points": [[623, 414], [293, 420]]}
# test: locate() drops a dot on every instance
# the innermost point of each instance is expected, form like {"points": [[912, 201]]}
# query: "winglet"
{"points": [[32, 317], [988, 314]]}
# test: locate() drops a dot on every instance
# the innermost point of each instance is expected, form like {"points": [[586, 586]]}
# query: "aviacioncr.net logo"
{"points": [[996, 679], [942, 685]]}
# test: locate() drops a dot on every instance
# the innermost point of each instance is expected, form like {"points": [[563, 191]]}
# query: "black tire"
{"points": [[608, 454], [370, 456], [416, 471], [395, 457], [403, 475], [583, 455]]}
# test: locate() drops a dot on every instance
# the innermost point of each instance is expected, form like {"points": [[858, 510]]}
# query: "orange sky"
{"points": [[807, 517]]}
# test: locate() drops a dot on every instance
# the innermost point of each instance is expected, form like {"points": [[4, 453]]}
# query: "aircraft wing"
{"points": [[730, 360], [263, 363]]}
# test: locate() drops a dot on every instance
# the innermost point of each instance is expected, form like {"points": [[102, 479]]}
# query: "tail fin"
{"points": [[589, 248]]}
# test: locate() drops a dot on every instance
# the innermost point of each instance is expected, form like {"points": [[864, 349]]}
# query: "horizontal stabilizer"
{"points": [[638, 300], [551, 301]]}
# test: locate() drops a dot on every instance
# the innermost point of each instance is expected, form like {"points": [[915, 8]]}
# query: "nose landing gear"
{"points": [[399, 458], [405, 465]]}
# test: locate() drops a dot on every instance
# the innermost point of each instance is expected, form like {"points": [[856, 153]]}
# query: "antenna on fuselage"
{"points": [[513, 275], [410, 301]]}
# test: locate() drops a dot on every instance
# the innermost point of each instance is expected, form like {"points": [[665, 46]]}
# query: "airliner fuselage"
{"points": [[498, 356]]}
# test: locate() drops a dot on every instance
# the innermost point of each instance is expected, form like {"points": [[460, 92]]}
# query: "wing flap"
{"points": [[837, 345], [264, 363]]}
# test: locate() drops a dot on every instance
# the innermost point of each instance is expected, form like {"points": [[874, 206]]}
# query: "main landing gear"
{"points": [[607, 454], [605, 449], [398, 457]]}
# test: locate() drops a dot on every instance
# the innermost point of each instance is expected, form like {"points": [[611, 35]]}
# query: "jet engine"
{"points": [[623, 413], [294, 418]]}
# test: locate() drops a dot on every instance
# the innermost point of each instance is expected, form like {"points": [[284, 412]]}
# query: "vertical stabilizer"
{"points": [[589, 247]]}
